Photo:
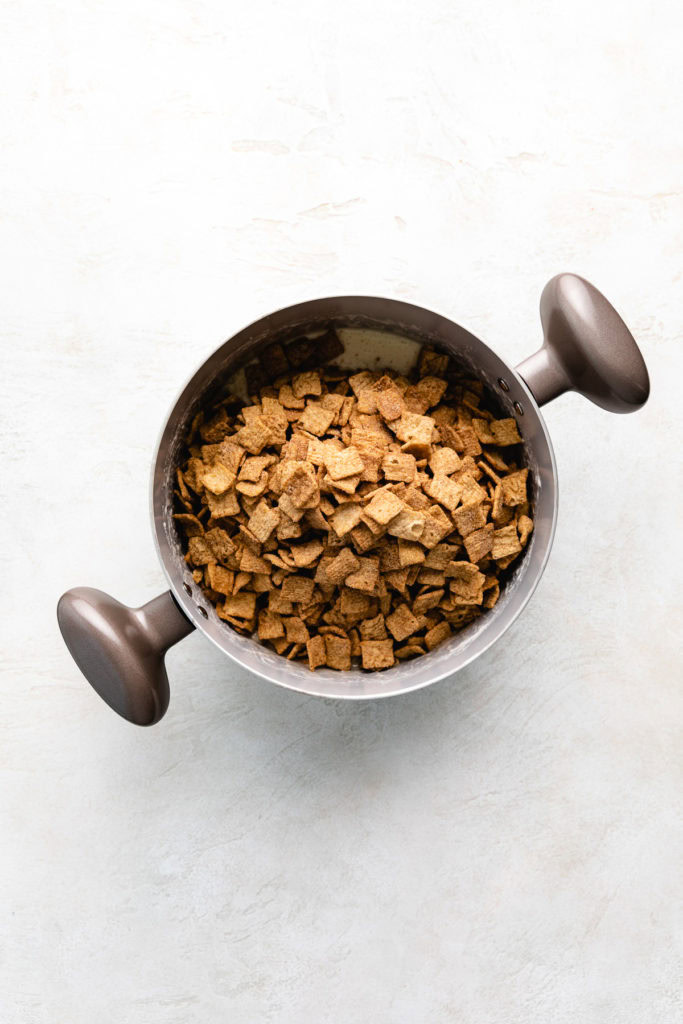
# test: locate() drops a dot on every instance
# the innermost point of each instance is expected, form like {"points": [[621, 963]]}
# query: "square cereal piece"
{"points": [[241, 606], [414, 428], [399, 467], [431, 390], [216, 429], [514, 487], [383, 507], [415, 401], [300, 483], [298, 448], [199, 551], [341, 566], [469, 441], [450, 437], [306, 553], [269, 625], [466, 580], [298, 589], [437, 526], [483, 431], [223, 505], [253, 467], [402, 623], [410, 553], [345, 518], [274, 360], [409, 524], [373, 629], [505, 542], [355, 604], [254, 436], [471, 490], [316, 419], [249, 562], [444, 461], [288, 399], [366, 401], [277, 603], [432, 363], [443, 416], [469, 517], [221, 580], [301, 352], [360, 381], [327, 346], [307, 383], [478, 544], [217, 478], [363, 538], [505, 432], [337, 652], [296, 630], [524, 527], [334, 403], [263, 520], [220, 543], [377, 654], [444, 490], [366, 577], [397, 579], [315, 649], [388, 556], [389, 399], [318, 451], [371, 463], [437, 635], [289, 514], [440, 556]]}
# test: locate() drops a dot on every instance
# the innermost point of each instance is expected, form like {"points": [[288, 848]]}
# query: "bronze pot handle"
{"points": [[120, 650], [587, 347]]}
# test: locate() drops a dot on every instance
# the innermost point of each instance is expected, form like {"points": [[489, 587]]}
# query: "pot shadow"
{"points": [[244, 732]]}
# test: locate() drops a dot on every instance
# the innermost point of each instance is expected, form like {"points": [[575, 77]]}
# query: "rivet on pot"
{"points": [[518, 409], [503, 384], [187, 588], [203, 611]]}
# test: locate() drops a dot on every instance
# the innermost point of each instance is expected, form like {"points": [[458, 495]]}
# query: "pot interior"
{"points": [[376, 333]]}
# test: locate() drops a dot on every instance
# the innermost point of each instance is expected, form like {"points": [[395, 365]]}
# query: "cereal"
{"points": [[402, 623], [338, 652], [377, 654], [383, 507], [351, 518]]}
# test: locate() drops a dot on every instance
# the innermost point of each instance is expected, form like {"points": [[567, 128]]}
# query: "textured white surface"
{"points": [[503, 848]]}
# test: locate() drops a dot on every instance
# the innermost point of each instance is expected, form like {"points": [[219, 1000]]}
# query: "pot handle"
{"points": [[120, 650], [587, 347]]}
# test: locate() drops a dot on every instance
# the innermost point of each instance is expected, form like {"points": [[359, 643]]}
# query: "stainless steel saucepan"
{"points": [[586, 348]]}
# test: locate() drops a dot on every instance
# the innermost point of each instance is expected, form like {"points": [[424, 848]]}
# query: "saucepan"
{"points": [[586, 348]]}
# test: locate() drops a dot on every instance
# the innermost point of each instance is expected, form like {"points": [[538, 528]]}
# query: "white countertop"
{"points": [[503, 848]]}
